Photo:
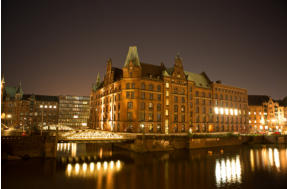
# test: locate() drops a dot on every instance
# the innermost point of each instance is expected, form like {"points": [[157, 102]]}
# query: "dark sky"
{"points": [[57, 47]]}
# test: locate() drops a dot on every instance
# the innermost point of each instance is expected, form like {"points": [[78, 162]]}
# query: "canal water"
{"points": [[85, 166]]}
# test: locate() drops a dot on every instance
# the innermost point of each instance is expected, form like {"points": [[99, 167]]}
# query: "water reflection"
{"points": [[76, 150], [228, 170], [93, 169], [268, 159]]}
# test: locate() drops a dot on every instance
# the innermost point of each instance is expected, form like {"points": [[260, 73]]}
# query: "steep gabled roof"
{"points": [[152, 70], [200, 80], [257, 100], [118, 73], [41, 97]]}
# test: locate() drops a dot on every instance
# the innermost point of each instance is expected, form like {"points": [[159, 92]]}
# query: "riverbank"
{"points": [[152, 143], [25, 147]]}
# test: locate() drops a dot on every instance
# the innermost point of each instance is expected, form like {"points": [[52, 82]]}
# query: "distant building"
{"points": [[265, 114], [39, 108], [11, 104], [74, 111], [152, 98]]}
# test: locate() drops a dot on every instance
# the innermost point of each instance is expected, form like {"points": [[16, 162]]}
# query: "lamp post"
{"points": [[42, 108]]}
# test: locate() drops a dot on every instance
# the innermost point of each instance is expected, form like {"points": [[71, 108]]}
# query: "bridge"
{"points": [[95, 136]]}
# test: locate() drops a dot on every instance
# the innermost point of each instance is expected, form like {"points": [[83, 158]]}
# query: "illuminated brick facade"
{"points": [[152, 98], [266, 115]]}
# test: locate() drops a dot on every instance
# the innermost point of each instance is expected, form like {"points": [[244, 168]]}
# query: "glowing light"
{"points": [[50, 106], [76, 116], [41, 106], [112, 164], [77, 168], [118, 164], [228, 171], [270, 156], [81, 170], [46, 106], [9, 115], [261, 127], [105, 165], [92, 134], [276, 158], [236, 112], [55, 107], [252, 159], [221, 111], [99, 165], [231, 111], [266, 127], [226, 111], [216, 110], [84, 167], [92, 166], [84, 124]]}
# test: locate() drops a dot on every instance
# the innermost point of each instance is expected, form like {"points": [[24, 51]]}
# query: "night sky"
{"points": [[57, 47]]}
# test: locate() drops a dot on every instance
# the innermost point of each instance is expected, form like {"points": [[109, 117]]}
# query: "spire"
{"points": [[132, 56], [178, 57], [98, 78], [19, 89]]}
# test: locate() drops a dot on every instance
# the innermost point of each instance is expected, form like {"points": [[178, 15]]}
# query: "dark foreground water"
{"points": [[86, 166]]}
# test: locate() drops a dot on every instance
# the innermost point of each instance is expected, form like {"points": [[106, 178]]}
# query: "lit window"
{"points": [[216, 110], [235, 111], [55, 107], [84, 124], [231, 111], [167, 85], [166, 112], [46, 106], [50, 106], [226, 111], [76, 116], [167, 102], [221, 111], [167, 93], [41, 106]]}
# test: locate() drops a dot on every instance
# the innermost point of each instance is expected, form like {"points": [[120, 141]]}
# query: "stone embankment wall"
{"points": [[151, 143], [29, 147], [168, 142]]}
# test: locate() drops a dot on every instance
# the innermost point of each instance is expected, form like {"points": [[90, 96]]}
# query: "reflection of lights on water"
{"points": [[276, 158], [98, 165], [92, 166], [228, 171], [112, 164], [252, 159], [79, 170], [118, 164], [270, 156], [84, 167], [267, 158], [77, 167], [105, 165]]}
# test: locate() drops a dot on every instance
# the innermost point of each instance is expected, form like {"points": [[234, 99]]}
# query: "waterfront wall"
{"points": [[171, 142], [29, 146]]}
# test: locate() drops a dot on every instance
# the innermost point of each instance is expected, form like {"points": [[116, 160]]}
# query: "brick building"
{"points": [[152, 98], [265, 114]]}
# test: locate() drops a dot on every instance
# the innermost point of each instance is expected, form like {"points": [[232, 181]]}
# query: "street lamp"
{"points": [[42, 108]]}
